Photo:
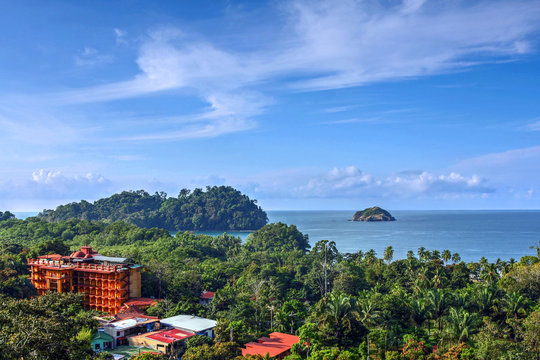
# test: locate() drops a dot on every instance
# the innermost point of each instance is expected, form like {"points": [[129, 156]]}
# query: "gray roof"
{"points": [[127, 323], [190, 323], [111, 259]]}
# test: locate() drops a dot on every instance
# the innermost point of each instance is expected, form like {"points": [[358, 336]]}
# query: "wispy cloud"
{"points": [[339, 109], [371, 120], [120, 36], [534, 125], [516, 169], [90, 57], [321, 46], [503, 158]]}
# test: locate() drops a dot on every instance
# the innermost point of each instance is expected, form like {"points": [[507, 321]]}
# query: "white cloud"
{"points": [[356, 42], [323, 45], [55, 185], [350, 182]]}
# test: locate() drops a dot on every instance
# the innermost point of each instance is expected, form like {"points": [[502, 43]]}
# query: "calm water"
{"points": [[472, 234]]}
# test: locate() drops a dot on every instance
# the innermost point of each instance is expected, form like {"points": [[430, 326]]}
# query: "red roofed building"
{"points": [[276, 345], [206, 297], [107, 282], [141, 303], [164, 341]]}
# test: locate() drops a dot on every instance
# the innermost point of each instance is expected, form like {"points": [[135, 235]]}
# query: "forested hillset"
{"points": [[331, 305], [216, 208]]}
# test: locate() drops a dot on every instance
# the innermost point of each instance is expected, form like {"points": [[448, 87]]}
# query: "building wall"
{"points": [[135, 282], [114, 333], [106, 288], [147, 342]]}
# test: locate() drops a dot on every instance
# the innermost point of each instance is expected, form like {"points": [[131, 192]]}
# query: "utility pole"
{"points": [[325, 275]]}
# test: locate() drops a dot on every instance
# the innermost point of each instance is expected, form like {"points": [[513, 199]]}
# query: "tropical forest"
{"points": [[342, 306]]}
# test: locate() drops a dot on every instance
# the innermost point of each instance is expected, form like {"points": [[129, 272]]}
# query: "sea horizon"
{"points": [[494, 233]]}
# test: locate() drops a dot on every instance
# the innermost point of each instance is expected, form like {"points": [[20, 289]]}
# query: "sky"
{"points": [[308, 105]]}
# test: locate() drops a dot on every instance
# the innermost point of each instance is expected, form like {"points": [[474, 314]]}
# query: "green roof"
{"points": [[129, 350], [100, 335]]}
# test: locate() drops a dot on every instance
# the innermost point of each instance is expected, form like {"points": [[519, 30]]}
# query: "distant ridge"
{"points": [[217, 208]]}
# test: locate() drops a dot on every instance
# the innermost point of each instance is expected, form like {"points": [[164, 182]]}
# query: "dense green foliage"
{"points": [[217, 208], [53, 326], [278, 237], [6, 215], [365, 305]]}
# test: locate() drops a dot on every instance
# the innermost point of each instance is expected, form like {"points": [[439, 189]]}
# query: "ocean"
{"points": [[472, 234], [494, 234]]}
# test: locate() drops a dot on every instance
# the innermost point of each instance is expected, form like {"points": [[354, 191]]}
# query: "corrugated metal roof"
{"points": [[111, 259], [189, 323], [275, 345], [129, 323]]}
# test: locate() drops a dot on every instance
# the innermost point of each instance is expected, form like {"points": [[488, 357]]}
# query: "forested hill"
{"points": [[217, 208]]}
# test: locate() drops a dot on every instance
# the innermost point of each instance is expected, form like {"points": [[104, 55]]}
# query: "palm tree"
{"points": [[438, 299], [460, 325], [489, 273], [461, 300], [515, 304], [437, 278], [456, 258], [419, 311], [410, 254], [485, 299], [385, 320], [421, 252], [368, 315], [422, 280], [336, 312], [370, 256], [446, 255], [388, 254]]}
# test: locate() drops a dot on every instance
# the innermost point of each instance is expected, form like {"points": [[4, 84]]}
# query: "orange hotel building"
{"points": [[107, 282]]}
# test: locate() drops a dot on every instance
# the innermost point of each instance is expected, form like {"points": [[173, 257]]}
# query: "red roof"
{"points": [[168, 336], [51, 256], [274, 345], [141, 302], [207, 295]]}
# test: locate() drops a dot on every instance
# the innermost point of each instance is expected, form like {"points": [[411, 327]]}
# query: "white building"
{"points": [[195, 324], [121, 329]]}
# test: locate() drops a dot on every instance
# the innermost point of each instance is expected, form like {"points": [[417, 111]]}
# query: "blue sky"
{"points": [[300, 104]]}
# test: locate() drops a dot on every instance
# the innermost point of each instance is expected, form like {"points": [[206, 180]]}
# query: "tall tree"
{"points": [[461, 325], [388, 254], [368, 316], [446, 256]]}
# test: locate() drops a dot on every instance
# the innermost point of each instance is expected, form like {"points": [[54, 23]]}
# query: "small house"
{"points": [[191, 323], [166, 341], [101, 341], [276, 345]]}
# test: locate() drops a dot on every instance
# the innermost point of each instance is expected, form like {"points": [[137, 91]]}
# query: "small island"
{"points": [[373, 214]]}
